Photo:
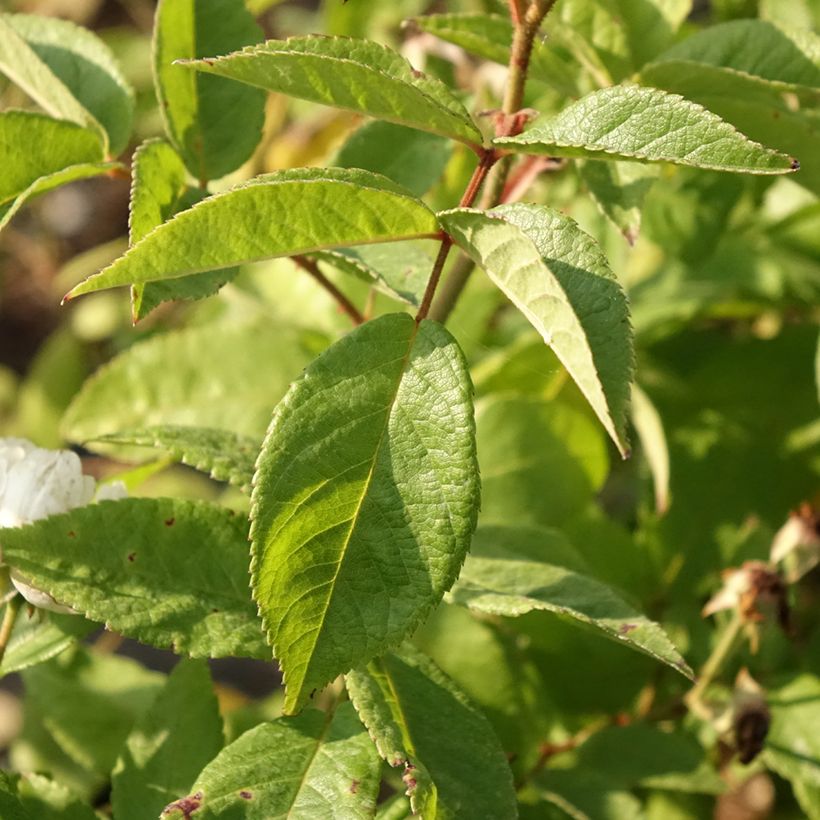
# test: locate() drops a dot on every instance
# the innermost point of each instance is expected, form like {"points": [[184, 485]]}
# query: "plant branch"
{"points": [[345, 304], [7, 626], [488, 158], [526, 30]]}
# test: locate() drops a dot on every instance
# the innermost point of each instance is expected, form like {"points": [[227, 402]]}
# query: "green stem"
{"points": [[724, 650], [526, 30], [7, 626]]}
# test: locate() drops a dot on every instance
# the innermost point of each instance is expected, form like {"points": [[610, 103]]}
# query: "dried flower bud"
{"points": [[751, 590], [797, 542]]}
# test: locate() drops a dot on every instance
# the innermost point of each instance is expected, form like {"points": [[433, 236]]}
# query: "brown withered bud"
{"points": [[750, 718]]}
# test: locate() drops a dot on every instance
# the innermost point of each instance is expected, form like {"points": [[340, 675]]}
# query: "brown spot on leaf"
{"points": [[246, 795], [169, 522], [72, 534], [625, 629], [354, 787], [132, 556], [186, 805]]}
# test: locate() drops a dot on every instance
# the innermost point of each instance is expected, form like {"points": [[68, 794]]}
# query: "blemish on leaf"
{"points": [[246, 795], [187, 805], [354, 787], [214, 610], [625, 629], [132, 556], [169, 522], [72, 534], [795, 164]]}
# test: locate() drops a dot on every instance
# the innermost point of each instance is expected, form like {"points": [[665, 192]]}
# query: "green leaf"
{"points": [[399, 269], [365, 497], [357, 75], [587, 795], [557, 276], [34, 145], [39, 636], [649, 427], [421, 721], [312, 765], [570, 458], [10, 806], [128, 564], [619, 189], [201, 113], [411, 158], [325, 207], [159, 190], [647, 125], [223, 455], [89, 701], [500, 578], [793, 744], [69, 72], [50, 800], [753, 47], [158, 382], [169, 745]]}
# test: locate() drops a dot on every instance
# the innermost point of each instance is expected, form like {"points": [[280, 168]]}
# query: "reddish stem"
{"points": [[310, 266]]}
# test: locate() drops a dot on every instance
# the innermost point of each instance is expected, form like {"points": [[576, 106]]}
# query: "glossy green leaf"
{"points": [[357, 75], [647, 125], [325, 207], [422, 722], [753, 47], [497, 579], [69, 72], [545, 484], [793, 744], [413, 159], [129, 564], [557, 276], [34, 145], [309, 766], [399, 269], [201, 112], [365, 498], [39, 635], [223, 455], [159, 190], [619, 189], [169, 745], [158, 382], [88, 701]]}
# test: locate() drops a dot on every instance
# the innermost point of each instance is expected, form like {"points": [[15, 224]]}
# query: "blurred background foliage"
{"points": [[723, 275]]}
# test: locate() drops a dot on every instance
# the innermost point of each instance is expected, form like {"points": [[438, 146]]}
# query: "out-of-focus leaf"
{"points": [[649, 427], [46, 799]]}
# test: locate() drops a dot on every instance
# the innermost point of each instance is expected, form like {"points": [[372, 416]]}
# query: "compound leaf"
{"points": [[310, 765], [169, 573], [201, 112], [365, 497], [357, 75], [324, 208], [421, 721], [629, 122], [557, 276]]}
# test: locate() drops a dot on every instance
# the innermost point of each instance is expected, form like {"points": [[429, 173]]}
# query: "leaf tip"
{"points": [[794, 163]]}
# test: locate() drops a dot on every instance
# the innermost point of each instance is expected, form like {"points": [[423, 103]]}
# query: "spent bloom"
{"points": [[37, 483]]}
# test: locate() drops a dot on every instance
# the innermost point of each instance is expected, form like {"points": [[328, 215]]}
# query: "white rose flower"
{"points": [[37, 483]]}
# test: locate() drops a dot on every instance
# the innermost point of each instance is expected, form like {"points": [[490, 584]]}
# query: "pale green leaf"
{"points": [[453, 764], [325, 208], [527, 444], [223, 455], [34, 145], [159, 381], [68, 71], [793, 743], [357, 75], [490, 36], [309, 767], [630, 122], [414, 159], [39, 635], [497, 579], [50, 800], [159, 189], [557, 276], [649, 427], [201, 113], [365, 497], [619, 189], [170, 573], [399, 269], [88, 701], [753, 47], [170, 744]]}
